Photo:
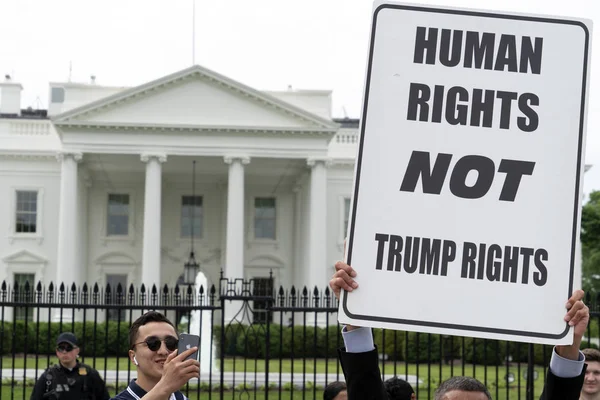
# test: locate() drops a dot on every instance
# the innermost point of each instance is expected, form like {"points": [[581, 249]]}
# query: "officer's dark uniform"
{"points": [[59, 383]]}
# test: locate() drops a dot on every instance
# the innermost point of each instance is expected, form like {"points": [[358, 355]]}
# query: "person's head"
{"points": [[152, 337], [399, 389], [462, 388], [335, 391], [67, 349], [591, 383]]}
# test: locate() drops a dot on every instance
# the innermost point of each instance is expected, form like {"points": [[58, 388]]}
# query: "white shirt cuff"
{"points": [[359, 340], [564, 368]]}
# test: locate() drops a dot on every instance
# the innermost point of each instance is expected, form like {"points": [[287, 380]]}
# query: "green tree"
{"points": [[590, 243]]}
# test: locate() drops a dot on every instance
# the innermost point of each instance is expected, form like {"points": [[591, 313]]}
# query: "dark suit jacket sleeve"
{"points": [[363, 378], [562, 388]]}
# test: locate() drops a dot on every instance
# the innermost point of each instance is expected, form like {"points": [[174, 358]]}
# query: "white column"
{"points": [[234, 253], [67, 264], [317, 243], [151, 256]]}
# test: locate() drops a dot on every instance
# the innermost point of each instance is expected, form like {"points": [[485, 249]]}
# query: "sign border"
{"points": [[578, 166]]}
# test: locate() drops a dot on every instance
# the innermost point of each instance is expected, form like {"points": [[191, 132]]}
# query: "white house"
{"points": [[98, 188]]}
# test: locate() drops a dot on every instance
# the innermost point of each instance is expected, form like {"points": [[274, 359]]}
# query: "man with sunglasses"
{"points": [[161, 372], [69, 379]]}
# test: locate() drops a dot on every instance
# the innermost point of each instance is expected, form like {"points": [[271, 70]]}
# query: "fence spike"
{"points": [[154, 289], [84, 289], [119, 288], [38, 288], [176, 289], [3, 285], [143, 288], [201, 291], [73, 287], [96, 288], [61, 289], [131, 289], [165, 289]]}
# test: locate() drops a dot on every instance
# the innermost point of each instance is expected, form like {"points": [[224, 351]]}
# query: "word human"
{"points": [[491, 262], [475, 107], [477, 51]]}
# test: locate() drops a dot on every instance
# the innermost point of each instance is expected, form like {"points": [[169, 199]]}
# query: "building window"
{"points": [[118, 215], [346, 214], [191, 207], [26, 211], [262, 287], [20, 280], [115, 298], [57, 95], [264, 218]]}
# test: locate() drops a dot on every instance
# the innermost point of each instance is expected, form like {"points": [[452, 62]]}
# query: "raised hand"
{"points": [[342, 279]]}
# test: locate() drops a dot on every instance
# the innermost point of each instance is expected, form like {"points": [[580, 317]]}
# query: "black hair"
{"points": [[398, 389], [464, 383], [333, 389], [150, 316]]}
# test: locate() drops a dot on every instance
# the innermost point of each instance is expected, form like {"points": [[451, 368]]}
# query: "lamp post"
{"points": [[191, 267]]}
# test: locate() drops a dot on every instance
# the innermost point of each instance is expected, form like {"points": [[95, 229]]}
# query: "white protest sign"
{"points": [[467, 190]]}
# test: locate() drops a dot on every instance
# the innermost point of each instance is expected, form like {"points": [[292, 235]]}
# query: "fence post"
{"points": [[222, 355], [530, 360]]}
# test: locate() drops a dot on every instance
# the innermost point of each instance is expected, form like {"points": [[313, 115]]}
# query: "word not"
{"points": [[419, 166]]}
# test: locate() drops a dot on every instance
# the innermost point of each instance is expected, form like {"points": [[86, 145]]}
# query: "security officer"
{"points": [[69, 379]]}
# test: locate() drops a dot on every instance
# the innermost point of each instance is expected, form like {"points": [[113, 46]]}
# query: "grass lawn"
{"points": [[494, 379]]}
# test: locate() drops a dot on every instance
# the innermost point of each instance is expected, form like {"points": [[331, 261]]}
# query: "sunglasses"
{"points": [[154, 342], [64, 348]]}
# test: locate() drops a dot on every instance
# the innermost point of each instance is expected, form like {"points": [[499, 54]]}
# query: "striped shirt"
{"points": [[135, 392]]}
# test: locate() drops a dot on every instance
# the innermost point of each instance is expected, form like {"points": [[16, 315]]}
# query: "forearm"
{"points": [[570, 352]]}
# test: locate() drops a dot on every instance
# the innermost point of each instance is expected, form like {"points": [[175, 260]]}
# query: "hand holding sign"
{"points": [[579, 317]]}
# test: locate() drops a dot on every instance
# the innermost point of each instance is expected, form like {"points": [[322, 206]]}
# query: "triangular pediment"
{"points": [[24, 257], [195, 97]]}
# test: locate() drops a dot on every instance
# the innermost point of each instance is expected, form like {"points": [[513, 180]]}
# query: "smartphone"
{"points": [[187, 341]]}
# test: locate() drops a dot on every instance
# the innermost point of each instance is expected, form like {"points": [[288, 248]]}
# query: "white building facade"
{"points": [[99, 188]]}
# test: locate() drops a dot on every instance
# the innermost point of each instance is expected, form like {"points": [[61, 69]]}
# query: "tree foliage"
{"points": [[590, 243]]}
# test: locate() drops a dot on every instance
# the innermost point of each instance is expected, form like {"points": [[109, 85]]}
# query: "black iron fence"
{"points": [[257, 341]]}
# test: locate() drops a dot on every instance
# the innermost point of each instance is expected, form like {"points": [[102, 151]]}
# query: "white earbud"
{"points": [[135, 361]]}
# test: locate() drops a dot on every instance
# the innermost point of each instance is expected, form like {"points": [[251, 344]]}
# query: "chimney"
{"points": [[10, 97]]}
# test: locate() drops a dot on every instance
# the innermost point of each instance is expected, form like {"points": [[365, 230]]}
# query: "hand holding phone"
{"points": [[187, 341]]}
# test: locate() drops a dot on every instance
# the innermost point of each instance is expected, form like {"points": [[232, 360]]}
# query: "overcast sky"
{"points": [[266, 44]]}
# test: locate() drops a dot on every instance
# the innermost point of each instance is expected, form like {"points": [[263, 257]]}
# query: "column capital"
{"points": [[160, 157], [63, 155], [313, 161], [245, 160]]}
